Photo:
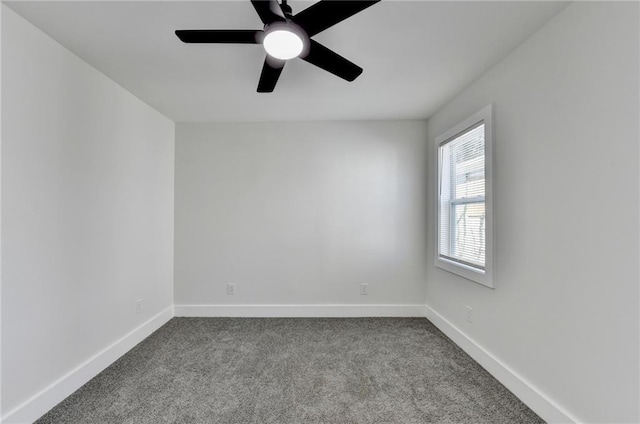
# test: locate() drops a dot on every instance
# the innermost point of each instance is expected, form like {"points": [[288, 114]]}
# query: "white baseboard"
{"points": [[43, 401], [531, 396], [299, 311]]}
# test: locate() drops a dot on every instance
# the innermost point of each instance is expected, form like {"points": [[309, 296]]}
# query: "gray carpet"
{"points": [[333, 370]]}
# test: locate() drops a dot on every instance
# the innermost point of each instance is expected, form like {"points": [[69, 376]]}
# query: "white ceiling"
{"points": [[416, 55]]}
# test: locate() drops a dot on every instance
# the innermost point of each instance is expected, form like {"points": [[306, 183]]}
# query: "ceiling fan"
{"points": [[286, 36]]}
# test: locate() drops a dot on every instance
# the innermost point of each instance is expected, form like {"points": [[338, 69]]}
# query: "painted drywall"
{"points": [[87, 211], [564, 312], [300, 213], [1, 10]]}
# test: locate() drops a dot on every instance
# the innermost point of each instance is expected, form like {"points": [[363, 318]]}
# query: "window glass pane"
{"points": [[462, 197], [467, 163], [469, 234]]}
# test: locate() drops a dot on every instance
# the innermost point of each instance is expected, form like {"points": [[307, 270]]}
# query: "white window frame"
{"points": [[479, 276]]}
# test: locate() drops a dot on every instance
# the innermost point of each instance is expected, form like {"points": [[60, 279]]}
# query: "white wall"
{"points": [[87, 196], [300, 213], [564, 312]]}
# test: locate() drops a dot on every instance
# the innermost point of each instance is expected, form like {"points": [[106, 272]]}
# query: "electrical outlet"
{"points": [[364, 289], [469, 314], [139, 306], [231, 288]]}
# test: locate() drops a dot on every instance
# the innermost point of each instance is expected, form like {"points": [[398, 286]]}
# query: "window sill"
{"points": [[481, 277]]}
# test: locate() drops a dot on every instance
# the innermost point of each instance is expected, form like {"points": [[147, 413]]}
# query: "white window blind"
{"points": [[462, 225]]}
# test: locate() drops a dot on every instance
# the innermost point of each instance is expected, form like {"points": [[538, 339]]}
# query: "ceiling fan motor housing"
{"points": [[289, 26]]}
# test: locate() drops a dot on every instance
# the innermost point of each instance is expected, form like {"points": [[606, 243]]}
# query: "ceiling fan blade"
{"points": [[327, 13], [268, 10], [331, 61], [271, 71], [242, 36]]}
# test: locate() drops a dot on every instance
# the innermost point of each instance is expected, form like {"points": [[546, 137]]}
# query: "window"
{"points": [[464, 233]]}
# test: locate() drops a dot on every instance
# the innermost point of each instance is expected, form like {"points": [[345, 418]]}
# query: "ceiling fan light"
{"points": [[283, 44]]}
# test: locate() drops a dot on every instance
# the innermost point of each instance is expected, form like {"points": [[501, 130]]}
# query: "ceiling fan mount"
{"points": [[286, 36], [286, 9]]}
